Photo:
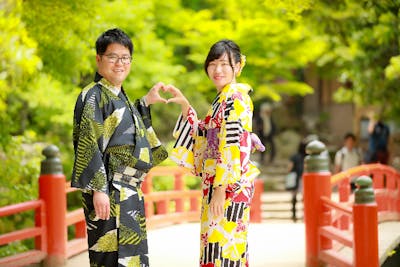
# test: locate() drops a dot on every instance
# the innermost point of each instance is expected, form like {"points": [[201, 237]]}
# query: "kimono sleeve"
{"points": [[158, 151], [234, 140], [144, 112], [190, 144], [89, 172]]}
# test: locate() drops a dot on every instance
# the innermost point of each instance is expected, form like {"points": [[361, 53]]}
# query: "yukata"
{"points": [[218, 150], [115, 146]]}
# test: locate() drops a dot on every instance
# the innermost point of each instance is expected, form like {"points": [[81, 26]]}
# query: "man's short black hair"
{"points": [[113, 36], [349, 135]]}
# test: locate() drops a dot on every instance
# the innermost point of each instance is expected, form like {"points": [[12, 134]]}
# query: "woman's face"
{"points": [[221, 72]]}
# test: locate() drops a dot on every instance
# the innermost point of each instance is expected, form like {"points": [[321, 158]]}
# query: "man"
{"points": [[115, 146], [349, 155]]}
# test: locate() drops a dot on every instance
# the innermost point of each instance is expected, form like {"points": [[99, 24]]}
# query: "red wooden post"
{"points": [[147, 187], [52, 191], [149, 208], [316, 181], [397, 201], [256, 211], [147, 184], [162, 206], [40, 221], [179, 186], [80, 229], [344, 195], [194, 204], [365, 212]]}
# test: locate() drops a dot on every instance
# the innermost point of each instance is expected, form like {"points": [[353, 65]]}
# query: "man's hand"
{"points": [[218, 201], [153, 96], [101, 203]]}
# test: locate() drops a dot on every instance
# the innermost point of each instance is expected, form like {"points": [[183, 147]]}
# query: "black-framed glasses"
{"points": [[113, 58]]}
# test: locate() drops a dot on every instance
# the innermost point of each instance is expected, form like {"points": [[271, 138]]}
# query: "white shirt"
{"points": [[347, 159]]}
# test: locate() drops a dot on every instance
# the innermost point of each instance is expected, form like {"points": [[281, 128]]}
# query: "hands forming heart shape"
{"points": [[169, 94]]}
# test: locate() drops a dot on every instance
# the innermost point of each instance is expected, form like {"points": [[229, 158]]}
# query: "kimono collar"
{"points": [[100, 79], [235, 87]]}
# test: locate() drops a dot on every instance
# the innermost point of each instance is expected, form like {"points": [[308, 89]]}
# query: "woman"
{"points": [[218, 150]]}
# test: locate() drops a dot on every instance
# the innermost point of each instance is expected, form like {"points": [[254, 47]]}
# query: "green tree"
{"points": [[363, 54], [271, 34], [19, 64]]}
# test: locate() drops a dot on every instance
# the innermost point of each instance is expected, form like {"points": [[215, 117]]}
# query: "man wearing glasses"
{"points": [[115, 146]]}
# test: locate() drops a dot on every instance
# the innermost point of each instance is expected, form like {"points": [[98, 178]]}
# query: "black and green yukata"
{"points": [[115, 146]]}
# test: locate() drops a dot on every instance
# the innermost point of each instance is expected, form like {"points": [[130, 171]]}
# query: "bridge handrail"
{"points": [[38, 232], [327, 221], [364, 169], [340, 207]]}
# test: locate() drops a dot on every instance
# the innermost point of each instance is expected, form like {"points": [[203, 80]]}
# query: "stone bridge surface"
{"points": [[275, 244]]}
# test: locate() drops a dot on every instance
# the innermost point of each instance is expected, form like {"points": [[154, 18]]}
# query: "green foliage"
{"points": [[19, 168], [66, 51], [13, 248], [363, 39]]}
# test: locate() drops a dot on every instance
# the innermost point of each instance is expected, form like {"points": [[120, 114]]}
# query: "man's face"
{"points": [[349, 143], [115, 64]]}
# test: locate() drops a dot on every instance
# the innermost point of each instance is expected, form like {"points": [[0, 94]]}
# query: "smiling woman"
{"points": [[217, 149]]}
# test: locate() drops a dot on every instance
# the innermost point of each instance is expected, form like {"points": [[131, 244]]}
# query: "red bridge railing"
{"points": [[52, 217], [350, 221], [169, 207], [39, 232]]}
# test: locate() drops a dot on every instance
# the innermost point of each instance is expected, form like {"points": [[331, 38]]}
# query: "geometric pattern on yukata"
{"points": [[217, 149], [115, 146]]}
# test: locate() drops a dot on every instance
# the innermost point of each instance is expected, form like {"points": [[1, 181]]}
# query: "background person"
{"points": [[349, 155], [378, 151], [266, 129], [296, 167]]}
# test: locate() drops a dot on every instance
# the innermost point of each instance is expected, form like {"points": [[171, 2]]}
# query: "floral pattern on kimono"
{"points": [[218, 150]]}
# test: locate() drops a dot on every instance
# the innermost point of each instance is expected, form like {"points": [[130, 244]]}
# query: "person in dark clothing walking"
{"points": [[266, 130], [378, 151], [296, 166]]}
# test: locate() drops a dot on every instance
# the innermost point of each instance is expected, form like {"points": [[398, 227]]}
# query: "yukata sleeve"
{"points": [[234, 140], [187, 151], [158, 151], [89, 172]]}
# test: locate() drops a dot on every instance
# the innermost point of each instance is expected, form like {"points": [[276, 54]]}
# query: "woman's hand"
{"points": [[256, 144], [153, 96], [218, 201], [101, 203], [178, 97]]}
